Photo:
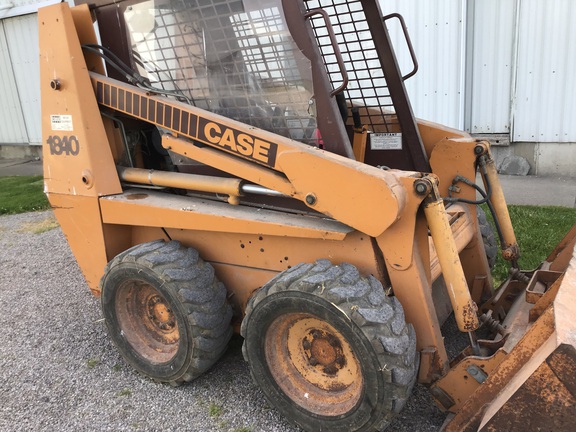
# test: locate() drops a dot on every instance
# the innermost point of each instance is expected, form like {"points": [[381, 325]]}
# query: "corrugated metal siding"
{"points": [[490, 59], [12, 127], [12, 8], [437, 33], [22, 36], [20, 3], [545, 102]]}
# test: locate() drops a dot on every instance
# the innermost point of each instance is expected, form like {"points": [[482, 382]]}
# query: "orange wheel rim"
{"points": [[313, 364]]}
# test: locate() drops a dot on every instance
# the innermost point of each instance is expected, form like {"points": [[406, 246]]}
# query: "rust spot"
{"points": [[137, 196], [469, 317], [324, 350], [542, 403], [337, 387]]}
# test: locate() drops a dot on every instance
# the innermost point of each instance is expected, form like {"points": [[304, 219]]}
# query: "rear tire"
{"points": [[166, 311], [329, 349]]}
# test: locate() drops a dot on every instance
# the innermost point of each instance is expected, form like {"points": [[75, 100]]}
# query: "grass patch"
{"points": [[92, 363], [124, 392], [40, 227], [538, 231], [215, 410], [22, 194]]}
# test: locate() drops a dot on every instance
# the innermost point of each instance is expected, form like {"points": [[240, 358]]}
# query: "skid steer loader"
{"points": [[255, 166]]}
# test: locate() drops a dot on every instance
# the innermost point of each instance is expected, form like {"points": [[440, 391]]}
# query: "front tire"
{"points": [[329, 349], [166, 311]]}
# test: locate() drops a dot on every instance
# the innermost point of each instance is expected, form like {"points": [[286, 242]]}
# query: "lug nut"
{"points": [[315, 333], [330, 369], [333, 341]]}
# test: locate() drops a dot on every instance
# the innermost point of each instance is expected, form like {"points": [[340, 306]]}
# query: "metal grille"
{"points": [[239, 63], [367, 88]]}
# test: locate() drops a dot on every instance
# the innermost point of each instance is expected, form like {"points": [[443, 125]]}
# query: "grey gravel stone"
{"points": [[60, 371], [514, 165]]}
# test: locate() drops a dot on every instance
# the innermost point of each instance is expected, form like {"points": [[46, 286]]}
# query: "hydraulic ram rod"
{"points": [[465, 310], [228, 186], [510, 249]]}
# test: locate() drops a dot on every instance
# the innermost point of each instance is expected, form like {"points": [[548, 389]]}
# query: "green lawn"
{"points": [[538, 230], [22, 194]]}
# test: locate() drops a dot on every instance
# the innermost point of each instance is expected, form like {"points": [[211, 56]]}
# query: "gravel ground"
{"points": [[60, 371]]}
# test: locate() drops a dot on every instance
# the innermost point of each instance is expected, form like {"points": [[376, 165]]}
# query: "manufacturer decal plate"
{"points": [[386, 141], [61, 122]]}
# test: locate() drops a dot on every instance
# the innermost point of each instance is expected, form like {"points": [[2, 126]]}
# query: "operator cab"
{"points": [[296, 68]]}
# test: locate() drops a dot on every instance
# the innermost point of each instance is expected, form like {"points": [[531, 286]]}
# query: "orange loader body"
{"points": [[422, 253]]}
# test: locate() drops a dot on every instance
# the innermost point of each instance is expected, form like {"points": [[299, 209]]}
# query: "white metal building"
{"points": [[498, 67]]}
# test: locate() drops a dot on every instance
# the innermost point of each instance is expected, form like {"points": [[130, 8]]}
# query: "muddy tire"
{"points": [[166, 311], [329, 349], [488, 236]]}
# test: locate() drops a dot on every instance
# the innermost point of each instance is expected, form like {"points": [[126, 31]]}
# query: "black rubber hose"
{"points": [[129, 74], [486, 195]]}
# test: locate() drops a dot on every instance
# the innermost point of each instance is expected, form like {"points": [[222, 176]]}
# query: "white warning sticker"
{"points": [[61, 122], [386, 141]]}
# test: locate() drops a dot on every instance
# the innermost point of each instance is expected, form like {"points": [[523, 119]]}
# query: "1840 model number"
{"points": [[67, 145]]}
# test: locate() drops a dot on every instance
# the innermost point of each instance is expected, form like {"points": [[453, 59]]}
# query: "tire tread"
{"points": [[194, 284], [379, 317]]}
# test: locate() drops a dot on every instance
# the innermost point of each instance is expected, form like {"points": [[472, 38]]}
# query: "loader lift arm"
{"points": [[267, 159]]}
